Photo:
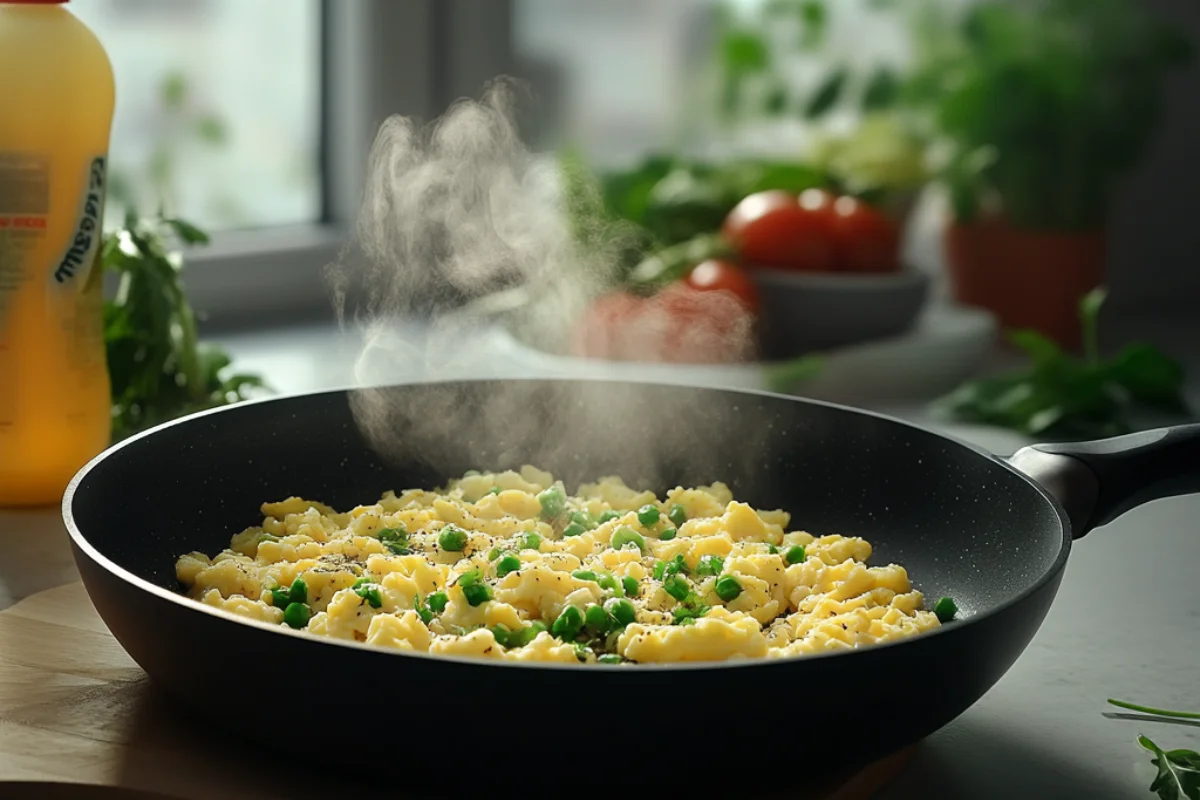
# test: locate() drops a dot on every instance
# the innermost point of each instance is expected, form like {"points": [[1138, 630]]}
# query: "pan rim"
{"points": [[82, 544]]}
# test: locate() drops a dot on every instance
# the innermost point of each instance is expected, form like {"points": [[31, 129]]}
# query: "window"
{"points": [[218, 107]]}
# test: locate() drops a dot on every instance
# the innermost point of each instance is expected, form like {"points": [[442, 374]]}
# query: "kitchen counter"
{"points": [[1126, 622]]}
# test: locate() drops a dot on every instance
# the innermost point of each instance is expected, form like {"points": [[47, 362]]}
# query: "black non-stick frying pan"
{"points": [[994, 535]]}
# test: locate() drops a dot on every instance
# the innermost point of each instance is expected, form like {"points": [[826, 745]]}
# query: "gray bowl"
{"points": [[804, 313]]}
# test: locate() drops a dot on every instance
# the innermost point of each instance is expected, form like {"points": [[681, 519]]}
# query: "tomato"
{"points": [[777, 229], [680, 324], [865, 239], [716, 275]]}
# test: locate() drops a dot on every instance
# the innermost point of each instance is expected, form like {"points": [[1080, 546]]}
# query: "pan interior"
{"points": [[963, 524]]}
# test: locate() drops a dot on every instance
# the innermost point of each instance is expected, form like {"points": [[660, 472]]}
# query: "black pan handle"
{"points": [[1098, 481]]}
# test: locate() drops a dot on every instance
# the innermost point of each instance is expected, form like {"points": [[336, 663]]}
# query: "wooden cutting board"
{"points": [[76, 711]]}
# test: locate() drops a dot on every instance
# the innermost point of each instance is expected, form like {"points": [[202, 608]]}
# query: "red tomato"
{"points": [[715, 275], [865, 239], [599, 332], [776, 229]]}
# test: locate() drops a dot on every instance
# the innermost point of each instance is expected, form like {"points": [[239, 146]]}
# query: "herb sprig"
{"points": [[157, 368], [1060, 396], [1178, 770]]}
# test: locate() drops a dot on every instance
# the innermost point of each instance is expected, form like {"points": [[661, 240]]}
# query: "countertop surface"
{"points": [[1126, 622]]}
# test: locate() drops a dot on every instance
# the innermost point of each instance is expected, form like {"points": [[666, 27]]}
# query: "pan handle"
{"points": [[1098, 481]]}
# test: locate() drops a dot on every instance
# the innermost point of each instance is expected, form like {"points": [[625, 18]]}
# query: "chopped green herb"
{"points": [[689, 612], [945, 609], [622, 611], [370, 593], [677, 515], [582, 651], [395, 540], [574, 529], [609, 516], [676, 586], [437, 601], [469, 577], [509, 563], [422, 610], [660, 570], [477, 594], [727, 588], [649, 515], [494, 490], [584, 575], [452, 539], [625, 536], [630, 585], [609, 658], [795, 555], [531, 541], [710, 565], [553, 502], [667, 534], [568, 625], [296, 615], [772, 549]]}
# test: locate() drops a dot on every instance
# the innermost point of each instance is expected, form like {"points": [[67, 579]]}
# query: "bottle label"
{"points": [[24, 206], [77, 262]]}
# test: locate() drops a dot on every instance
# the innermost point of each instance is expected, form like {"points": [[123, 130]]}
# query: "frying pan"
{"points": [[992, 534]]}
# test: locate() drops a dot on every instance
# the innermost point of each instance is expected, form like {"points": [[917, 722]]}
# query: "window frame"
{"points": [[378, 57]]}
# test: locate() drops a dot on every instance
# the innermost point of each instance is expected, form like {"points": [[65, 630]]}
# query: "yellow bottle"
{"points": [[56, 107]]}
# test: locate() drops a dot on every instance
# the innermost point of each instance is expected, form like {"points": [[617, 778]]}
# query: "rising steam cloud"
{"points": [[457, 209]]}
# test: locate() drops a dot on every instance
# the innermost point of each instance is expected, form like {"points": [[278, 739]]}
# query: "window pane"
{"points": [[218, 107]]}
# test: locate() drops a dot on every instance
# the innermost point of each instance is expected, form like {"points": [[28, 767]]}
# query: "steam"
{"points": [[461, 209]]}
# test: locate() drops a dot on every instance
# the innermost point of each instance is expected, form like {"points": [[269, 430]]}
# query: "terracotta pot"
{"points": [[1028, 279]]}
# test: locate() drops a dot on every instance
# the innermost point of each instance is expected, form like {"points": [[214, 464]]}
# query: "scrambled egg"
{"points": [[508, 566]]}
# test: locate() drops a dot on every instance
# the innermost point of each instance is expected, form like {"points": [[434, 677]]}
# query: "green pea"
{"points": [[625, 536], [437, 601], [574, 529], [553, 502], [477, 594], [279, 598], [296, 615], [676, 587], [509, 563], [609, 516], [609, 658], [584, 575], [493, 554], [945, 609], [648, 515], [598, 619], [452, 539], [494, 490], [667, 535], [608, 583], [568, 625], [677, 515], [622, 611], [531, 541], [630, 585], [794, 555], [582, 518], [504, 637], [537, 626], [727, 588]]}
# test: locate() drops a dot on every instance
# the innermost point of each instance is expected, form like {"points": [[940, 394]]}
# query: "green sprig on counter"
{"points": [[1178, 770], [157, 368], [1060, 396]]}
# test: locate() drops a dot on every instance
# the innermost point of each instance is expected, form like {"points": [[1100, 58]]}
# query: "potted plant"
{"points": [[1043, 105]]}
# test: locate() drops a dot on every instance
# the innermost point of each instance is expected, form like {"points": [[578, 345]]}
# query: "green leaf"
{"points": [[827, 94], [173, 92], [814, 16], [1176, 779], [744, 52], [1151, 378], [789, 375], [1041, 350], [212, 130], [776, 101], [1157, 712], [882, 91], [187, 231]]}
